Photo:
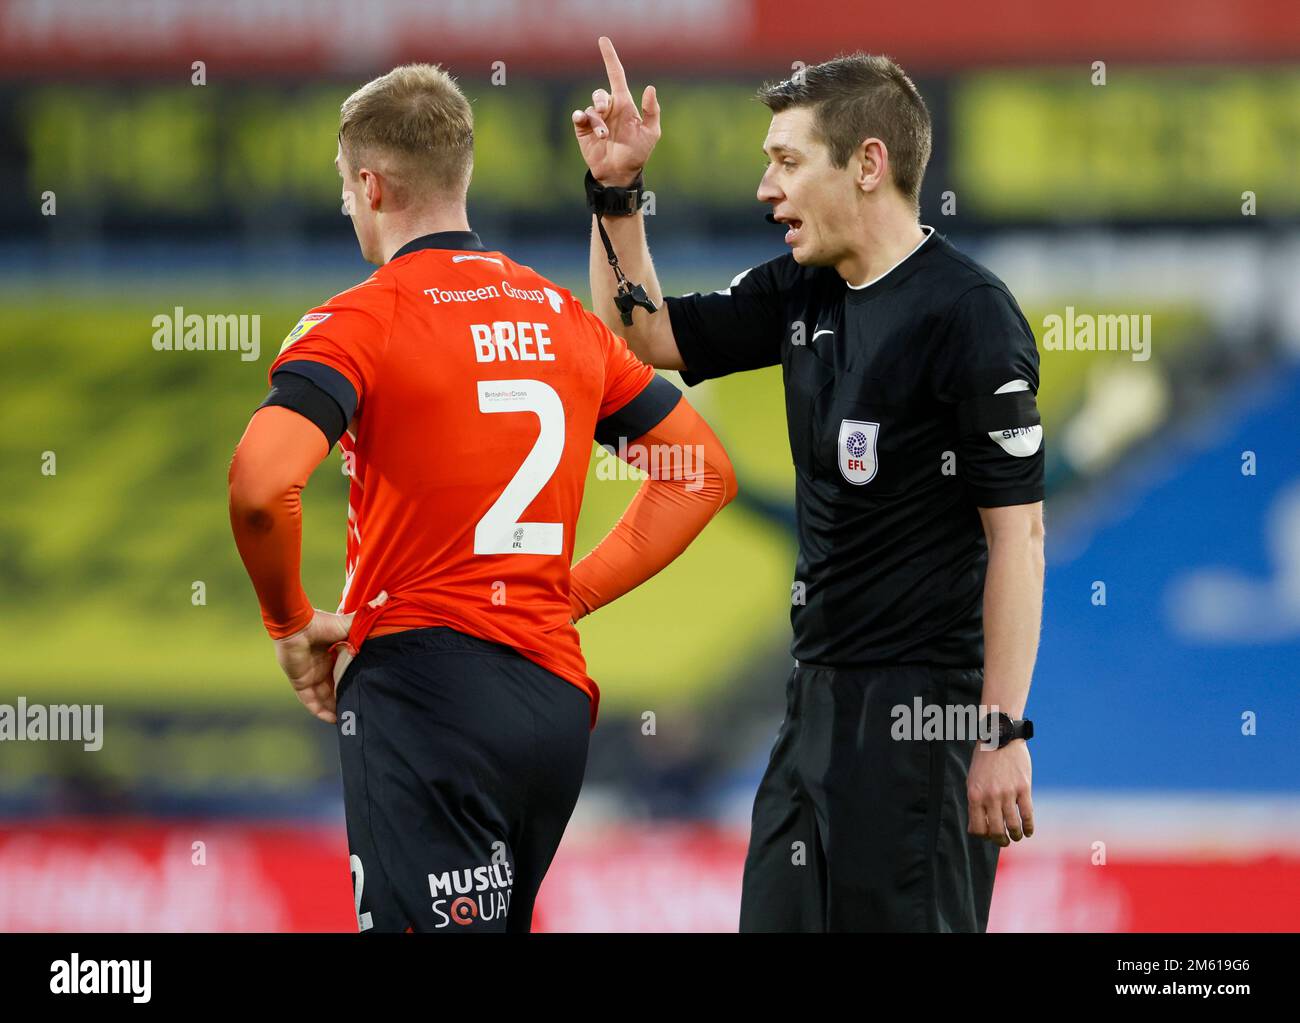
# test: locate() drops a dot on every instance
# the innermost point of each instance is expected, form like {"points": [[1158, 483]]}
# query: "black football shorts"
{"points": [[855, 830], [462, 762]]}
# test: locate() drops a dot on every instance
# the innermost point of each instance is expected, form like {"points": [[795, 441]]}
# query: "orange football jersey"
{"points": [[477, 386]]}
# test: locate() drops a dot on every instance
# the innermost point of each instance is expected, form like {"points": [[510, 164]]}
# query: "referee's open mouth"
{"points": [[793, 225]]}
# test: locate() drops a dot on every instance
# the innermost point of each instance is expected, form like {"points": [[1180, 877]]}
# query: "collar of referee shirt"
{"points": [[897, 273], [466, 240]]}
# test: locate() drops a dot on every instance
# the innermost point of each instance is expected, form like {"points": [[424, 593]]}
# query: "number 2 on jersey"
{"points": [[499, 531]]}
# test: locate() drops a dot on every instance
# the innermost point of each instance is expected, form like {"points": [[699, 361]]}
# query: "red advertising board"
{"points": [[289, 37], [129, 876]]}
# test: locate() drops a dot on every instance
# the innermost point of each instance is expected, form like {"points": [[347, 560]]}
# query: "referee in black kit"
{"points": [[910, 380]]}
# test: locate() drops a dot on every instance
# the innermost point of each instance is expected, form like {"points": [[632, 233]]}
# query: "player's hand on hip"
{"points": [[615, 135], [998, 792], [306, 661]]}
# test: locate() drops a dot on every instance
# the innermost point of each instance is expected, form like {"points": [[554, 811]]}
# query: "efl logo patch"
{"points": [[857, 450], [303, 326]]}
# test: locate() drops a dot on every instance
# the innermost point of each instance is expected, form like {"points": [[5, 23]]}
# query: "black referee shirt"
{"points": [[910, 402]]}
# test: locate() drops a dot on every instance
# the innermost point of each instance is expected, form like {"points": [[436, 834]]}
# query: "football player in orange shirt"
{"points": [[465, 391]]}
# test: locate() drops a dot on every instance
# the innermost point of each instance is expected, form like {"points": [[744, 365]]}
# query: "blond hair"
{"points": [[415, 126]]}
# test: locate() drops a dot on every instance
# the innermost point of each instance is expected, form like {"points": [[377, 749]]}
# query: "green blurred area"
{"points": [[1068, 143], [1050, 144], [180, 150], [1065, 376], [101, 557]]}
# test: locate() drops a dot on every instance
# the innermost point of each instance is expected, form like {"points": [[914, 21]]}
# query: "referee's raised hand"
{"points": [[615, 136]]}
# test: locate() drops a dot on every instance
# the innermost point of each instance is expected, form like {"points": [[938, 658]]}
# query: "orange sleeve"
{"points": [[669, 510], [271, 465]]}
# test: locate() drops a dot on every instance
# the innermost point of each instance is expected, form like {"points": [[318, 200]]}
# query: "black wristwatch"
{"points": [[611, 201], [1007, 729]]}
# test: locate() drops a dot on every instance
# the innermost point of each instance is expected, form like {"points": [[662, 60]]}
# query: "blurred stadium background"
{"points": [[1172, 190]]}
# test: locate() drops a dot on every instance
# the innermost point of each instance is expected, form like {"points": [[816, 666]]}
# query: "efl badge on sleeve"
{"points": [[302, 326], [857, 450]]}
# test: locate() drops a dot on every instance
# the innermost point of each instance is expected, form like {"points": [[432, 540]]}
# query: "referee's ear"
{"points": [[872, 160]]}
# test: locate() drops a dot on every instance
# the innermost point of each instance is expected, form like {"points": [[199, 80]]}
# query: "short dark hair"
{"points": [[861, 96]]}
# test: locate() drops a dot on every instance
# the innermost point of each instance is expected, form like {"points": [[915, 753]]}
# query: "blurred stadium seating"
{"points": [[1172, 190]]}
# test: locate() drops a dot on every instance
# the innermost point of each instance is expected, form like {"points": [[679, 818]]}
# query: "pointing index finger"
{"points": [[617, 80]]}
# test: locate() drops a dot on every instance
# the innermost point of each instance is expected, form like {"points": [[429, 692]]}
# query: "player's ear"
{"points": [[374, 188]]}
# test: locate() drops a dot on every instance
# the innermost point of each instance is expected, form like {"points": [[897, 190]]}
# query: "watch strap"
{"points": [[612, 201]]}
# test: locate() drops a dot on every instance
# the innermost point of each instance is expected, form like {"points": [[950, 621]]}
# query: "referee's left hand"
{"points": [[997, 789]]}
